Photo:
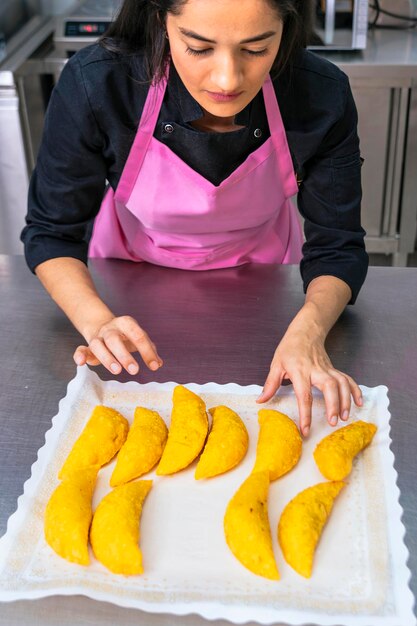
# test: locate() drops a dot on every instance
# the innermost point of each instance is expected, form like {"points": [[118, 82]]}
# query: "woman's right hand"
{"points": [[112, 343]]}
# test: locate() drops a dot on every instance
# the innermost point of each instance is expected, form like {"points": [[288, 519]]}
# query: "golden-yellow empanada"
{"points": [[187, 432], [103, 436], [302, 522], [335, 453], [114, 533], [68, 515], [279, 443], [226, 445], [143, 447], [246, 526]]}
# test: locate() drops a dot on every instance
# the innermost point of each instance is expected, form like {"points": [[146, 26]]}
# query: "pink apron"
{"points": [[165, 213]]}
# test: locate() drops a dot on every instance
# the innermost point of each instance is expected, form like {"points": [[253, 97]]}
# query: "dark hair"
{"points": [[139, 25]]}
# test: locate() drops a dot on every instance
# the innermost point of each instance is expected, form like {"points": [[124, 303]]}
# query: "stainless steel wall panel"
{"points": [[14, 178], [374, 106], [398, 138], [408, 216], [13, 174]]}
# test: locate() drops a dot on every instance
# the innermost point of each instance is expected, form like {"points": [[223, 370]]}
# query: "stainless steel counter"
{"points": [[221, 326]]}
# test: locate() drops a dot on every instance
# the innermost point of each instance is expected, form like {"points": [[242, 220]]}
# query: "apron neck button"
{"points": [[168, 128], [257, 132]]}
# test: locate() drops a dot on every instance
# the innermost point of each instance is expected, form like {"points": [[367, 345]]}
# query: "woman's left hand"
{"points": [[305, 362]]}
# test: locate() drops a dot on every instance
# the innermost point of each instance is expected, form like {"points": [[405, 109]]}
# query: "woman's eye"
{"points": [[198, 52], [257, 53]]}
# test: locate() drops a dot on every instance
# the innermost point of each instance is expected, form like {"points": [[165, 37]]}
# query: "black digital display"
{"points": [[86, 29], [89, 28]]}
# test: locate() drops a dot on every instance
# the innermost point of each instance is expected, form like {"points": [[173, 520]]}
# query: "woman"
{"points": [[201, 164]]}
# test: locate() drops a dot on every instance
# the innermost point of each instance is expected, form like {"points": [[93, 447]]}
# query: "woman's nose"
{"points": [[227, 74]]}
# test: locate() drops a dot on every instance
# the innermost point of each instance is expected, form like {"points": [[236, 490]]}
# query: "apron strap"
{"points": [[279, 138], [142, 139]]}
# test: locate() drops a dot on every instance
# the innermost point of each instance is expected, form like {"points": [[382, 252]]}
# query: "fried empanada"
{"points": [[302, 522], [335, 453], [187, 433], [114, 533], [246, 526], [102, 437], [226, 445], [279, 444], [68, 515], [143, 447]]}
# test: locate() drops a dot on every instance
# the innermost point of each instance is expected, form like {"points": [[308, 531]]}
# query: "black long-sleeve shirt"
{"points": [[92, 120]]}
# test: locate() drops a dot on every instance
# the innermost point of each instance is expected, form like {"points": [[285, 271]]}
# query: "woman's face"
{"points": [[223, 50]]}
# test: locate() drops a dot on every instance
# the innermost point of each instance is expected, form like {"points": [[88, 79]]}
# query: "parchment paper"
{"points": [[360, 577]]}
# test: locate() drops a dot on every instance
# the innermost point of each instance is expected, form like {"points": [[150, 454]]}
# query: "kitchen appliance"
{"points": [[339, 24], [83, 25]]}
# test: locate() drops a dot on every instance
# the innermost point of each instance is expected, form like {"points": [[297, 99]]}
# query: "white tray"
{"points": [[360, 577]]}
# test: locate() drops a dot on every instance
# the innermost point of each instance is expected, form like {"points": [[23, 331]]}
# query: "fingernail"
{"points": [[132, 368], [360, 401], [154, 365], [306, 430], [115, 368], [260, 397], [333, 420], [345, 415]]}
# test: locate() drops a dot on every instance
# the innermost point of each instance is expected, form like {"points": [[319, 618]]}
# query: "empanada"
{"points": [[226, 445], [103, 436], [335, 453], [187, 432], [246, 526], [68, 515], [114, 533], [302, 522], [143, 447], [279, 443]]}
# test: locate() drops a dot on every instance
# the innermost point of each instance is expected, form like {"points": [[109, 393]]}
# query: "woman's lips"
{"points": [[223, 97]]}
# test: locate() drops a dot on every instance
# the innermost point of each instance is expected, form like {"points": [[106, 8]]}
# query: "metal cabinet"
{"points": [[384, 84], [384, 117]]}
